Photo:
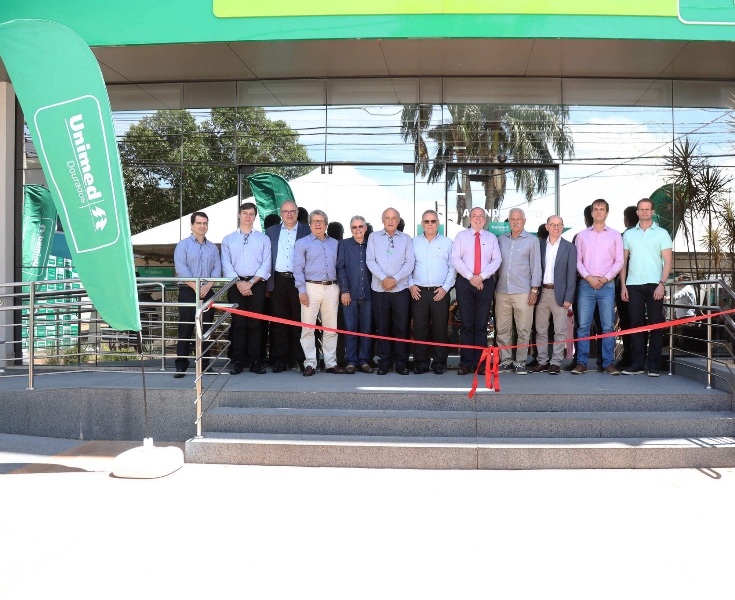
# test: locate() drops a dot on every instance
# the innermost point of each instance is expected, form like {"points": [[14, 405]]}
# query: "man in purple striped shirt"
{"points": [[599, 259]]}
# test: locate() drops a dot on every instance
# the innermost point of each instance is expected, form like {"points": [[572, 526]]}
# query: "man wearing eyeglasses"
{"points": [[429, 284], [647, 256], [354, 284], [285, 345], [315, 275], [246, 254], [559, 268], [391, 261], [476, 257], [194, 256]]}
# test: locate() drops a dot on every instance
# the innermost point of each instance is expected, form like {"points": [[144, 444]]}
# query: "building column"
{"points": [[7, 210]]}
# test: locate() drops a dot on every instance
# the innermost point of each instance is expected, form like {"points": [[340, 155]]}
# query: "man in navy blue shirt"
{"points": [[354, 285]]}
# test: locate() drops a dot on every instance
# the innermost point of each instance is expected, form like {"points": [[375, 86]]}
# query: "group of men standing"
{"points": [[385, 280]]}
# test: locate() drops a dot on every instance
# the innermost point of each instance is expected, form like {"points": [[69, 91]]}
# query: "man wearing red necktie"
{"points": [[476, 258]]}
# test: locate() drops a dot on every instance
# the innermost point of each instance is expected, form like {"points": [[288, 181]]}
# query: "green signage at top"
{"points": [[293, 8], [142, 22]]}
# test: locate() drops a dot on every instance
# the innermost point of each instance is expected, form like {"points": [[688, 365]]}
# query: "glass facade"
{"points": [[357, 146]]}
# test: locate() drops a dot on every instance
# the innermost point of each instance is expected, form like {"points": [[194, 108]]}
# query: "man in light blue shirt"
{"points": [[391, 261], [519, 278], [246, 254], [315, 274], [647, 256], [194, 256], [429, 284]]}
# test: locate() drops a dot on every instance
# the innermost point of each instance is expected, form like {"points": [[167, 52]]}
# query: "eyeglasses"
{"points": [[289, 212], [555, 225], [317, 222], [432, 221], [390, 242], [357, 227]]}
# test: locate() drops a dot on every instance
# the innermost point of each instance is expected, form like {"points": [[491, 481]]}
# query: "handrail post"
{"points": [[199, 328], [709, 351], [31, 332], [163, 326], [671, 349]]}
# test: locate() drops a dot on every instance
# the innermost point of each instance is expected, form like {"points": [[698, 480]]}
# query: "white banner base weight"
{"points": [[148, 461]]}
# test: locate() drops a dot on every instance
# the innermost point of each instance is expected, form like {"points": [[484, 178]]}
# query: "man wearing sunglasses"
{"points": [[432, 278]]}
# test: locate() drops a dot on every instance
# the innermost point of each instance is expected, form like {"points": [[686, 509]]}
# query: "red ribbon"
{"points": [[490, 355]]}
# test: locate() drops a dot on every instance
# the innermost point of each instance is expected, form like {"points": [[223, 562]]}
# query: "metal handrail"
{"points": [[201, 337], [28, 298], [729, 324]]}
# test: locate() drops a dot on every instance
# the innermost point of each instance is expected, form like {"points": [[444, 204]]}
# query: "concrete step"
{"points": [[425, 423], [484, 401], [460, 452]]}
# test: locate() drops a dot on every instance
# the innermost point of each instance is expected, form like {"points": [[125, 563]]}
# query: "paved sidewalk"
{"points": [[70, 530]]}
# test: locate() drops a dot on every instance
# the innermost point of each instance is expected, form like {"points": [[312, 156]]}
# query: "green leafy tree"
{"points": [[174, 163], [484, 133]]}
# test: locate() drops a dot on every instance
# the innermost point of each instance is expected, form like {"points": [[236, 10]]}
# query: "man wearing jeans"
{"points": [[599, 259], [648, 247], [354, 286]]}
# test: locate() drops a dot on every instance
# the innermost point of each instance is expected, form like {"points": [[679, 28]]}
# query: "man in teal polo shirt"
{"points": [[647, 262]]}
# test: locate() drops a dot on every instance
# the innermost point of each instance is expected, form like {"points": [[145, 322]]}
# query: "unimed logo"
{"points": [[74, 146]]}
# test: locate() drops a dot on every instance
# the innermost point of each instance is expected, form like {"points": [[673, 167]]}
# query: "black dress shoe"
{"points": [[256, 367], [402, 370], [463, 370], [309, 371], [438, 369], [179, 373], [382, 370], [279, 367], [420, 370], [236, 368], [335, 370]]}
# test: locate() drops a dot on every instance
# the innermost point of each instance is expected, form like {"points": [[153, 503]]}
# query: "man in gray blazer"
{"points": [[285, 340], [559, 267]]}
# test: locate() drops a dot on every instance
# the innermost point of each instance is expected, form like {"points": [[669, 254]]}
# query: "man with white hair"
{"points": [[354, 283], [559, 283], [519, 279], [390, 260], [315, 275]]}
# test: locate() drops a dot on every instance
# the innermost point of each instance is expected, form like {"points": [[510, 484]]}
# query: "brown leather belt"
{"points": [[321, 282], [548, 286]]}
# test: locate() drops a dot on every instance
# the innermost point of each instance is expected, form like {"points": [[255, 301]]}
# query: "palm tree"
{"points": [[484, 133], [697, 192]]}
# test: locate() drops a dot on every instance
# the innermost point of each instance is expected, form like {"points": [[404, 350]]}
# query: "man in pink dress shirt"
{"points": [[599, 259]]}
